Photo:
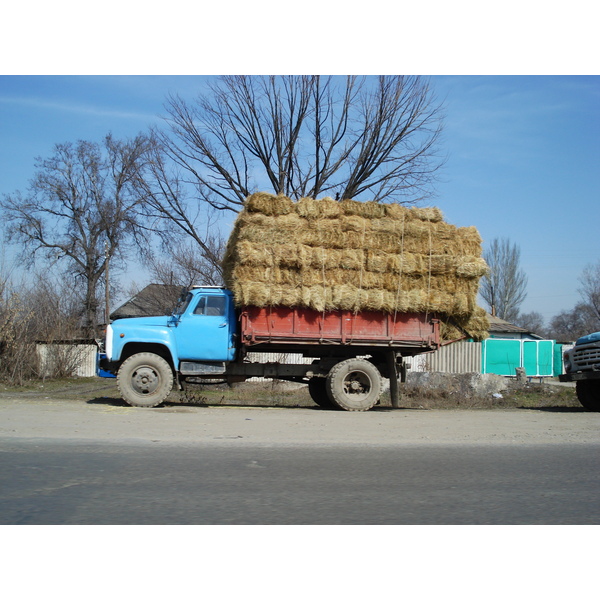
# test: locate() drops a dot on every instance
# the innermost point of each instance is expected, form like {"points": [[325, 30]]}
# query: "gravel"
{"points": [[107, 419]]}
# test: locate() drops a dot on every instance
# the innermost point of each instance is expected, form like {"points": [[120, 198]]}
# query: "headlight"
{"points": [[108, 344]]}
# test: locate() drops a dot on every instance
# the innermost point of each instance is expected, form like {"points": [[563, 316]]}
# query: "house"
{"points": [[154, 300], [500, 329]]}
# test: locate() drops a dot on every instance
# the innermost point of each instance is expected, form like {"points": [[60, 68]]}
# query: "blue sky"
{"points": [[523, 155]]}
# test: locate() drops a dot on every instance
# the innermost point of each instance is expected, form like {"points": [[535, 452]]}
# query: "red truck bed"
{"points": [[415, 332]]}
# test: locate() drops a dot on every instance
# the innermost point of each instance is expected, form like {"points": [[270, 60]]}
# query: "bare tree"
{"points": [[44, 310], [532, 321], [55, 307], [168, 213], [80, 210], [590, 290], [570, 325], [54, 324], [584, 318], [374, 137], [306, 136], [16, 351], [182, 265], [504, 286]]}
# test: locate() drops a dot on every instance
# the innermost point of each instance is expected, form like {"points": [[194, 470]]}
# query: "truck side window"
{"points": [[213, 306]]}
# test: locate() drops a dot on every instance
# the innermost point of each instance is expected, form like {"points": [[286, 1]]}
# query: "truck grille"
{"points": [[586, 358]]}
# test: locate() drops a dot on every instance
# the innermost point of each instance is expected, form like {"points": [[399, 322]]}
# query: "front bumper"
{"points": [[579, 376], [104, 367]]}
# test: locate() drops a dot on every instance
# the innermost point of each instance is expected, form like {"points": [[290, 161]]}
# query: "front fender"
{"points": [[139, 333]]}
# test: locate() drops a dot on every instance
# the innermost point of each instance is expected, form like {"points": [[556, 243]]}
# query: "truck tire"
{"points": [[318, 392], [145, 380], [354, 384], [588, 393]]}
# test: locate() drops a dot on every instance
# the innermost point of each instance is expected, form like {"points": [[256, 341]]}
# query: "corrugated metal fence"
{"points": [[271, 357], [460, 357], [77, 359]]}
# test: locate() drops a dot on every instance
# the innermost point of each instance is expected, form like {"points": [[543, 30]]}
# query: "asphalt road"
{"points": [[57, 482], [102, 462]]}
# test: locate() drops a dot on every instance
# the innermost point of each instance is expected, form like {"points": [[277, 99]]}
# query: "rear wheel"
{"points": [[318, 392], [588, 393], [354, 384], [145, 380]]}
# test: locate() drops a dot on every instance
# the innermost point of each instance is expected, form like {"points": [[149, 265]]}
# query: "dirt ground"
{"points": [[93, 411]]}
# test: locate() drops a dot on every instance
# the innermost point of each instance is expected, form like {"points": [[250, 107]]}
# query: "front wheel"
{"points": [[354, 384], [145, 380], [588, 393]]}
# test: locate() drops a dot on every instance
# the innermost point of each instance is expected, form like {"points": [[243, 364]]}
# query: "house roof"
{"points": [[498, 325], [501, 326], [154, 300]]}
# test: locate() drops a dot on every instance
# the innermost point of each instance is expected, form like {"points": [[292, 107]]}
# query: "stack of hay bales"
{"points": [[349, 255]]}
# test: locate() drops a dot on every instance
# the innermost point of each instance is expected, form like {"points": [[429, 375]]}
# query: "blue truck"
{"points": [[582, 365], [209, 339]]}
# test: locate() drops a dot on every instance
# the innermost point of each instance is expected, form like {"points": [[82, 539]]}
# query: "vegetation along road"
{"points": [[81, 456]]}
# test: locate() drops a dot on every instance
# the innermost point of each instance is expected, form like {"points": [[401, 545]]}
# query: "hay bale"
{"points": [[400, 213], [269, 204], [474, 325], [326, 208], [351, 255], [366, 210]]}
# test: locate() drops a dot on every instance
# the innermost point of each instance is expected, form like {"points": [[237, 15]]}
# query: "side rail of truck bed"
{"points": [[301, 326]]}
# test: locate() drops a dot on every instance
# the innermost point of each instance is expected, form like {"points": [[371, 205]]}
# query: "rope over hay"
{"points": [[350, 255]]}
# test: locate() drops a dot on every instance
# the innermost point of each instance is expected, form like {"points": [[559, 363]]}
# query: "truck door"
{"points": [[204, 332]]}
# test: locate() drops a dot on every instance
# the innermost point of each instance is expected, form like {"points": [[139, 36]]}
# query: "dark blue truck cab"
{"points": [[582, 365]]}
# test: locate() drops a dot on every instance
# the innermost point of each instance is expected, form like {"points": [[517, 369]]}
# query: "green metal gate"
{"points": [[502, 357]]}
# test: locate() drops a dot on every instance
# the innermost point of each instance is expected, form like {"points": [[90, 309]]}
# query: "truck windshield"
{"points": [[182, 305]]}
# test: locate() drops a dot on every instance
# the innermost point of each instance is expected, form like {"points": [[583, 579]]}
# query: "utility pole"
{"points": [[106, 285]]}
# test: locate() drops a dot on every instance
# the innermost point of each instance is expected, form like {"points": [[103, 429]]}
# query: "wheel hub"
{"points": [[145, 380], [356, 383]]}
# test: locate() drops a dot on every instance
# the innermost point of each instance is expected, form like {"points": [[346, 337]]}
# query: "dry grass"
{"points": [[282, 395], [529, 396]]}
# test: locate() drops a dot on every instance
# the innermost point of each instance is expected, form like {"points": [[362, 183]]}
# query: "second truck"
{"points": [[582, 365]]}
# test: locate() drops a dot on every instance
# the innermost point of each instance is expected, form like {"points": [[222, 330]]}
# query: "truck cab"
{"points": [[582, 365], [203, 328], [585, 355], [199, 337]]}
